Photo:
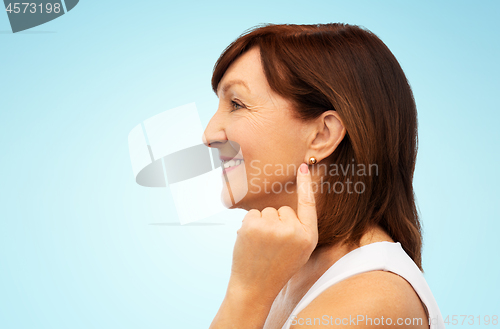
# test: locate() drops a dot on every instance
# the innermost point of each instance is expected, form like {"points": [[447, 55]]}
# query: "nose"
{"points": [[214, 134]]}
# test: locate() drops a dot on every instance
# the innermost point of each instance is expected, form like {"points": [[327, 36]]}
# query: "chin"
{"points": [[227, 201], [235, 188]]}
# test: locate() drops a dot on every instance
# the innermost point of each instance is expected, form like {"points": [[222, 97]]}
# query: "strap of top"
{"points": [[386, 256]]}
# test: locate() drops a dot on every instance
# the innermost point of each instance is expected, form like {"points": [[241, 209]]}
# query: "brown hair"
{"points": [[350, 70]]}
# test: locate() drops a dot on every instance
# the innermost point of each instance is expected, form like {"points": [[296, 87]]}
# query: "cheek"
{"points": [[250, 136], [282, 145], [269, 168], [270, 145]]}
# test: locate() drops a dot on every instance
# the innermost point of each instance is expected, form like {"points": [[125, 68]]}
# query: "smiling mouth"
{"points": [[228, 165]]}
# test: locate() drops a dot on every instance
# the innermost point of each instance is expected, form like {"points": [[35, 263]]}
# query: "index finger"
{"points": [[306, 207]]}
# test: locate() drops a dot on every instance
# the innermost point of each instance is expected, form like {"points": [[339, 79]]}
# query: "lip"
{"points": [[226, 170]]}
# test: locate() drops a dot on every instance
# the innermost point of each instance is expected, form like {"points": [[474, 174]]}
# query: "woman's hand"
{"points": [[273, 244]]}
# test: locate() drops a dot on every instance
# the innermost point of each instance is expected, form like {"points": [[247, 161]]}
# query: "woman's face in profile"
{"points": [[271, 140]]}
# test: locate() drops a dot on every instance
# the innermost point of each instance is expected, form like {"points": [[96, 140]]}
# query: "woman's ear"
{"points": [[327, 134]]}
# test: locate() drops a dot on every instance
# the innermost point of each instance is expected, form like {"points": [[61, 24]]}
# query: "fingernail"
{"points": [[304, 168]]}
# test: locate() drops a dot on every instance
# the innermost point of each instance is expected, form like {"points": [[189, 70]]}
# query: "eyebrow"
{"points": [[229, 84]]}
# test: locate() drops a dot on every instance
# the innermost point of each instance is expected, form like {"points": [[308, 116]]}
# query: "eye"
{"points": [[235, 106]]}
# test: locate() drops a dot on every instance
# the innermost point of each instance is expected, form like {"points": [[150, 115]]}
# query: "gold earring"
{"points": [[312, 160]]}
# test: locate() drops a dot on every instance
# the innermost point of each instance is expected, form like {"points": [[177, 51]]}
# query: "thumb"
{"points": [[306, 207]]}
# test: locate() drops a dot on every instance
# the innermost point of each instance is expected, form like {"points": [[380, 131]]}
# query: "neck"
{"points": [[324, 257]]}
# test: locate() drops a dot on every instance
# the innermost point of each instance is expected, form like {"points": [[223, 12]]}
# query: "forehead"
{"points": [[245, 72]]}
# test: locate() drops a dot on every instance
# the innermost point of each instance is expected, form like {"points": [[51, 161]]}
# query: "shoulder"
{"points": [[366, 300]]}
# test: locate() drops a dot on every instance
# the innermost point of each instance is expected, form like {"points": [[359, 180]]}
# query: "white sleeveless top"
{"points": [[386, 256]]}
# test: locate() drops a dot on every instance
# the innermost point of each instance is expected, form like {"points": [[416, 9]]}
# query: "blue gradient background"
{"points": [[82, 246]]}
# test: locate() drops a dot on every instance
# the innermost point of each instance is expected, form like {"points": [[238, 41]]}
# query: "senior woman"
{"points": [[336, 241]]}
